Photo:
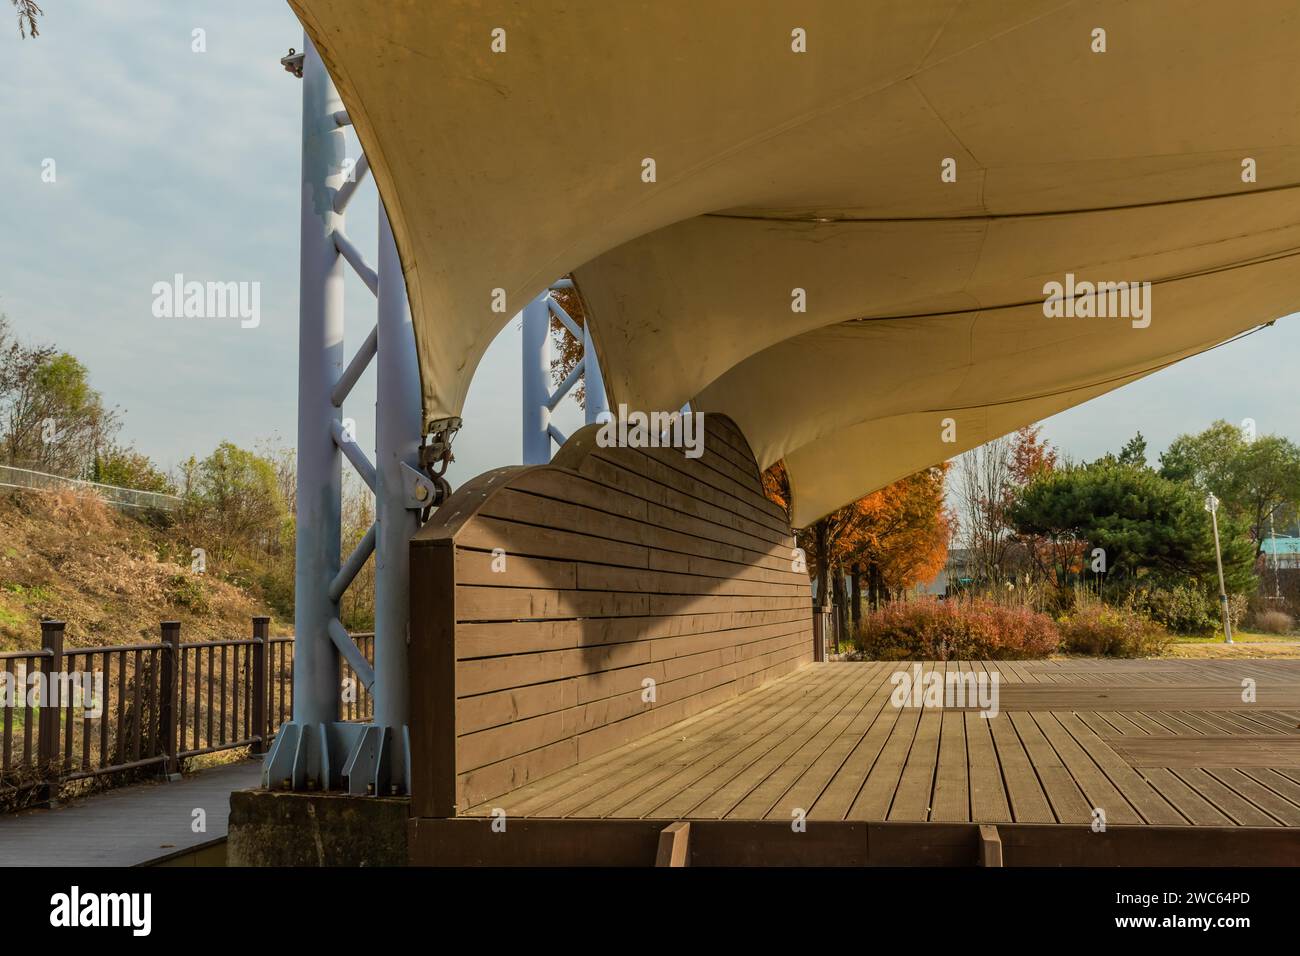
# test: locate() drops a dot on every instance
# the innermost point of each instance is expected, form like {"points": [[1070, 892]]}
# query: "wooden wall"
{"points": [[621, 564]]}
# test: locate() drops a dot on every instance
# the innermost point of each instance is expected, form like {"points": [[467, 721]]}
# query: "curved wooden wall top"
{"points": [[612, 567]]}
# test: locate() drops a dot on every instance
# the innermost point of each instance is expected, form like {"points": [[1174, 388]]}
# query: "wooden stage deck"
{"points": [[1156, 744]]}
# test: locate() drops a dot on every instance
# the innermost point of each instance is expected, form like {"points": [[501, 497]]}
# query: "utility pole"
{"points": [[1212, 506], [1272, 537]]}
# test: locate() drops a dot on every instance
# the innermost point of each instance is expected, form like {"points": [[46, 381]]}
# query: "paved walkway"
{"points": [[127, 826]]}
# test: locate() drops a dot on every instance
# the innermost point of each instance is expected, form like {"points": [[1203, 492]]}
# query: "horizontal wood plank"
{"points": [[607, 596]]}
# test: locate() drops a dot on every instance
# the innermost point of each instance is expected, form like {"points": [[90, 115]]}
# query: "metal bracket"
{"points": [[359, 759], [435, 456], [298, 759], [362, 770], [293, 63], [439, 435], [420, 491]]}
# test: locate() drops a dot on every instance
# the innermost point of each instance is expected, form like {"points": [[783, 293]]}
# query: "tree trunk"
{"points": [[841, 605], [823, 577], [855, 595]]}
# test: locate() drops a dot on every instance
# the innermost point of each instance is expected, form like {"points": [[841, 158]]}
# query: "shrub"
{"points": [[1274, 622], [1238, 606], [955, 630], [1095, 628], [187, 591], [1180, 608]]}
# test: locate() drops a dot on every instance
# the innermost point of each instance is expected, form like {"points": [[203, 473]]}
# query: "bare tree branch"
{"points": [[28, 11]]}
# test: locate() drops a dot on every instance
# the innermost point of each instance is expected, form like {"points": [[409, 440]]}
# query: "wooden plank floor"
{"points": [[1160, 742]]}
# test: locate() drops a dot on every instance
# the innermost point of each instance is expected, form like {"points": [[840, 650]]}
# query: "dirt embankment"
{"points": [[105, 573]]}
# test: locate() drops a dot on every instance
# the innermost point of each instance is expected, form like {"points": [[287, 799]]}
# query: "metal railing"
{"points": [[69, 714], [11, 477]]}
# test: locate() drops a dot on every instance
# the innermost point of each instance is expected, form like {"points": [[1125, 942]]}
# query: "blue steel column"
{"points": [[397, 440], [320, 362], [537, 381]]}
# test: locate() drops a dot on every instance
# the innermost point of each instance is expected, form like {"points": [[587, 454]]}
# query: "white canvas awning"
{"points": [[820, 171]]}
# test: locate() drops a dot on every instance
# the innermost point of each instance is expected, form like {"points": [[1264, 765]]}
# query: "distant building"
{"points": [[956, 573], [1286, 549]]}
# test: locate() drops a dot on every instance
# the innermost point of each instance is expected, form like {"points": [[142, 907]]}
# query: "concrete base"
{"points": [[282, 828]]}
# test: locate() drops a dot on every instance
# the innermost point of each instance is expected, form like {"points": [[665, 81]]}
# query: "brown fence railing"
{"points": [[70, 714]]}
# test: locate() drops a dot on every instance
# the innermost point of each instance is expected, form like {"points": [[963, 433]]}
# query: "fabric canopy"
{"points": [[919, 299]]}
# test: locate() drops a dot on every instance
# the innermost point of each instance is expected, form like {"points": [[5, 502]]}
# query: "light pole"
{"points": [[1212, 506], [1272, 537]]}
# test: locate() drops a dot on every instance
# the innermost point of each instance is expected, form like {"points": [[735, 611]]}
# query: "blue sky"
{"points": [[173, 161]]}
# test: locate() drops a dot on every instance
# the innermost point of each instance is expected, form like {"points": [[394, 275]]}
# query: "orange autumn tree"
{"points": [[902, 537], [820, 541], [896, 537]]}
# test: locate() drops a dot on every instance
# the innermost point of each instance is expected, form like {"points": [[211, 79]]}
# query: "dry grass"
{"points": [[1244, 644], [1274, 622], [74, 558]]}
